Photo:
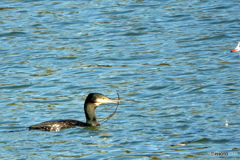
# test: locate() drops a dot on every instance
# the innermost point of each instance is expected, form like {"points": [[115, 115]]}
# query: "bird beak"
{"points": [[233, 50], [108, 100]]}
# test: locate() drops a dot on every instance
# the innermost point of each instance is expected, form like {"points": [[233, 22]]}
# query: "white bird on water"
{"points": [[236, 49]]}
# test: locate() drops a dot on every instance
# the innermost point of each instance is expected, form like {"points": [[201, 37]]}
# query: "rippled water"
{"points": [[168, 60]]}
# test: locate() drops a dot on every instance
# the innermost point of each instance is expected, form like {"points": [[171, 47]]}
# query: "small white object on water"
{"points": [[236, 49], [226, 124]]}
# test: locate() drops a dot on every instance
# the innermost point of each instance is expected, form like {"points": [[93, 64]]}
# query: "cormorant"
{"points": [[92, 101]]}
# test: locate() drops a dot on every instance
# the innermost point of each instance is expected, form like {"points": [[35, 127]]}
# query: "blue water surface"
{"points": [[168, 60]]}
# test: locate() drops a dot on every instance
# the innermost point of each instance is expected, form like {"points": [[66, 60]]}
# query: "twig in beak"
{"points": [[111, 115]]}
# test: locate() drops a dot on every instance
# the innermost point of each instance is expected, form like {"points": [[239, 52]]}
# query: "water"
{"points": [[168, 60]]}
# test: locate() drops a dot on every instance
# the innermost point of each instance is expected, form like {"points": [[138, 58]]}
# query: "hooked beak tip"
{"points": [[115, 101]]}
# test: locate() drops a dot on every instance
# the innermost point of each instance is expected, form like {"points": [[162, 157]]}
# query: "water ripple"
{"points": [[168, 60]]}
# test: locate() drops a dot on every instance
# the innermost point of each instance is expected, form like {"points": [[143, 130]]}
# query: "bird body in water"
{"points": [[92, 101]]}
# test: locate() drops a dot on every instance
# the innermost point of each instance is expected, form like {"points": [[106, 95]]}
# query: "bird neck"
{"points": [[91, 118]]}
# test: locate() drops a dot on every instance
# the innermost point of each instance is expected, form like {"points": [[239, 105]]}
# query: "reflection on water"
{"points": [[167, 60]]}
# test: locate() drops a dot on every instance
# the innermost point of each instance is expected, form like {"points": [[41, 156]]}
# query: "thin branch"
{"points": [[111, 115]]}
